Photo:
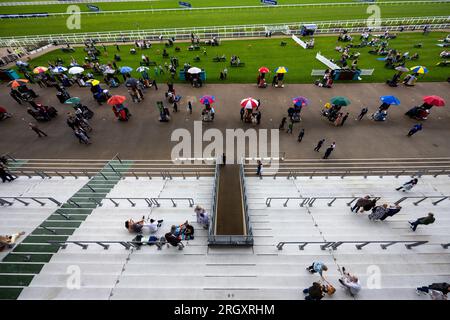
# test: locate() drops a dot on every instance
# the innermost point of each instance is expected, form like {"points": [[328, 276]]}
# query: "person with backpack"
{"points": [[173, 239]]}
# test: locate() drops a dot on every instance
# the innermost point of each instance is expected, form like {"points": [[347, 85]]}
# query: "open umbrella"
{"points": [[125, 69], [40, 70], [17, 83], [109, 71], [340, 101], [142, 69], [281, 70], [93, 82], [300, 101], [73, 100], [59, 69], [76, 70], [207, 99], [21, 63], [194, 70], [434, 101], [402, 69], [249, 103], [263, 70], [116, 100], [131, 82], [390, 100], [419, 69]]}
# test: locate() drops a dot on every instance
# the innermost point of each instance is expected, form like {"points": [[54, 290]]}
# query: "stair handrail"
{"points": [[358, 244]]}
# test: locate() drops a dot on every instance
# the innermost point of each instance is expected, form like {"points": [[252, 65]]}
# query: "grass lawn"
{"points": [[134, 21], [168, 4], [268, 52]]}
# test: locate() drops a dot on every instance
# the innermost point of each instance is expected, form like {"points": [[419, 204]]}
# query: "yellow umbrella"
{"points": [[94, 82], [40, 70], [281, 70]]}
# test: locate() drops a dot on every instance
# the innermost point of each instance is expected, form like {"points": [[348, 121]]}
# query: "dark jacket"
{"points": [[442, 287], [426, 220], [315, 291]]}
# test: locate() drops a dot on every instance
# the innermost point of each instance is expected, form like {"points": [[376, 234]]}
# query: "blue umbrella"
{"points": [[125, 69], [390, 100]]}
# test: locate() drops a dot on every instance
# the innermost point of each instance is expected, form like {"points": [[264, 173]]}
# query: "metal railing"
{"points": [[248, 228], [358, 244], [309, 201], [344, 172], [106, 244], [212, 224], [22, 200], [133, 201], [231, 31]]}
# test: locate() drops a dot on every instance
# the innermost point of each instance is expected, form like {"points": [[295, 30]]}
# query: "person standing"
{"points": [[242, 114], [5, 175], [424, 220], [415, 129], [283, 122], [36, 129], [154, 84], [290, 127], [362, 113], [329, 150], [175, 107], [258, 117], [344, 118], [300, 135], [338, 120], [190, 107], [117, 47], [319, 145], [259, 168]]}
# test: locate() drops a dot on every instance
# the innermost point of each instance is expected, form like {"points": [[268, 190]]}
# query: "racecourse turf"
{"points": [[268, 52], [219, 17]]}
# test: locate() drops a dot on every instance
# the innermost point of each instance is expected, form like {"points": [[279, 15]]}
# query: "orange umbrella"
{"points": [[116, 100], [17, 83]]}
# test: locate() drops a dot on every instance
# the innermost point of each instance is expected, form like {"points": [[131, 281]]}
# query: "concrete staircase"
{"points": [[258, 272]]}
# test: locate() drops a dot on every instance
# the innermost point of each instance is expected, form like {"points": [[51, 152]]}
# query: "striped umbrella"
{"points": [[419, 69], [40, 70], [249, 103]]}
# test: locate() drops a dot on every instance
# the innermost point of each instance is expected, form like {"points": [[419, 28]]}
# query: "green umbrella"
{"points": [[73, 100], [340, 101]]}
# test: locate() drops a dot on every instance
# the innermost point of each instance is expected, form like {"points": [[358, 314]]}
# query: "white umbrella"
{"points": [[76, 70], [109, 71], [194, 70], [142, 69]]}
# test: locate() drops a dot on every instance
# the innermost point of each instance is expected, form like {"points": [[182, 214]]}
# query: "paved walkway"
{"points": [[144, 137]]}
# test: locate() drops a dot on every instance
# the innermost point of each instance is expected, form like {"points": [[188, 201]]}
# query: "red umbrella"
{"points": [[434, 101], [264, 70], [249, 103], [116, 100]]}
